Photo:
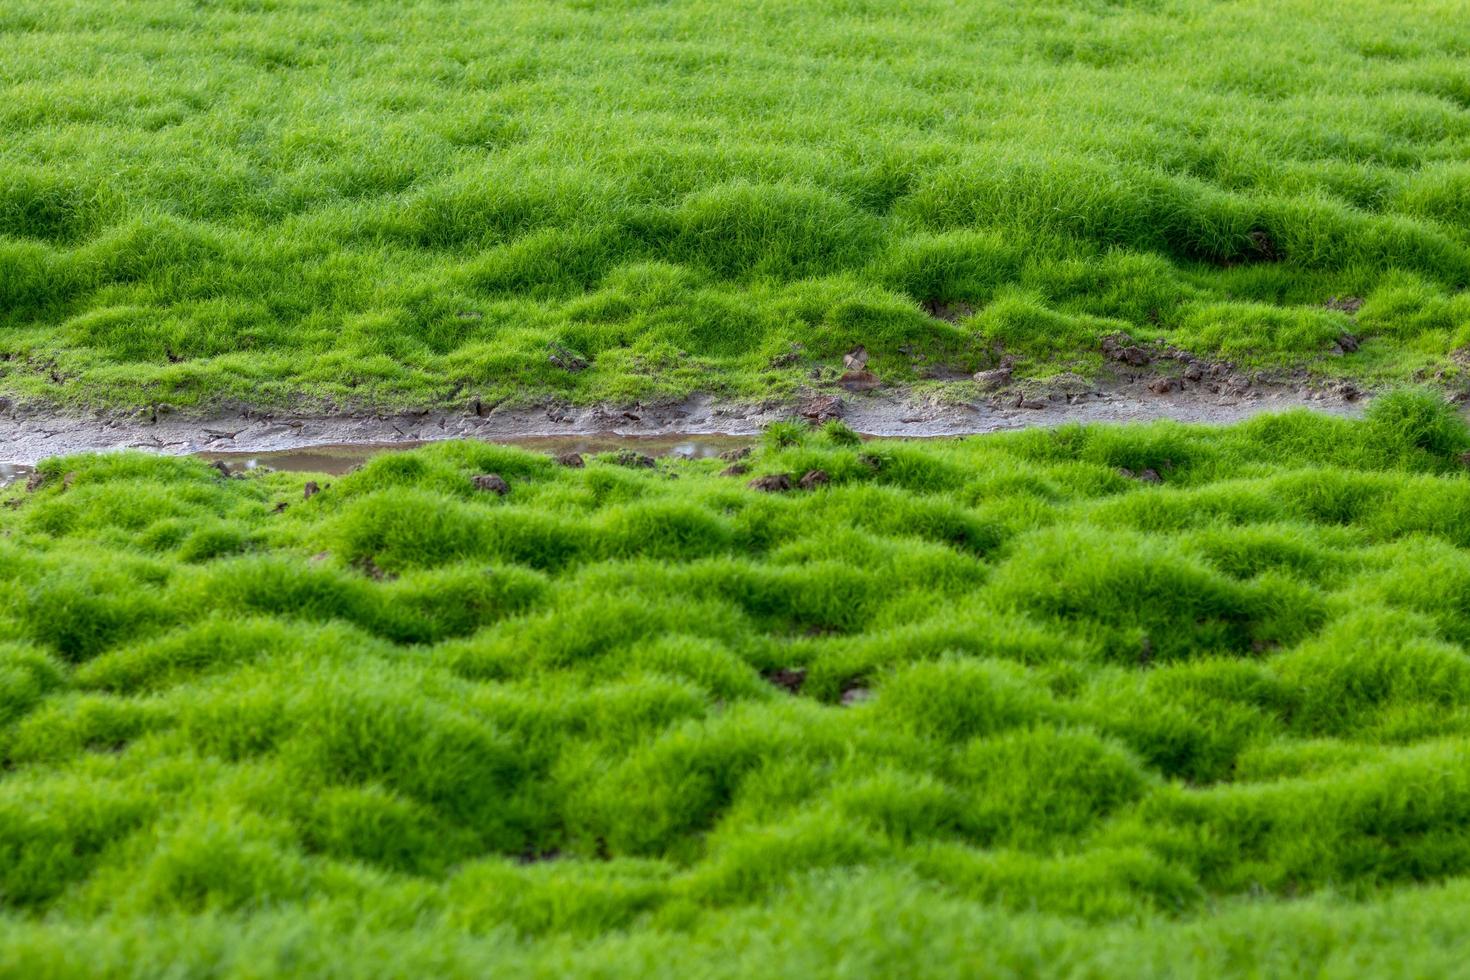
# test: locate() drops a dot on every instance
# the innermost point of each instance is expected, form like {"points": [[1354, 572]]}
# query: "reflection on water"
{"points": [[336, 460], [10, 472]]}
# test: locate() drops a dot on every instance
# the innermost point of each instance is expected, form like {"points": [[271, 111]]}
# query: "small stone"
{"points": [[491, 483], [1120, 347], [855, 359], [1165, 386], [856, 695], [572, 461]]}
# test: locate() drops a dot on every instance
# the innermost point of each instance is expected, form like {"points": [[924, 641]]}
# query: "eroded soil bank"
{"points": [[28, 436]]}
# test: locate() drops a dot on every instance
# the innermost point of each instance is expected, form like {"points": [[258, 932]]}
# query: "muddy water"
{"points": [[10, 472], [336, 460]]}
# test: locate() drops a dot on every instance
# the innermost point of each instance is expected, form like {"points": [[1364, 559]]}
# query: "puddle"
{"points": [[337, 460], [10, 472]]}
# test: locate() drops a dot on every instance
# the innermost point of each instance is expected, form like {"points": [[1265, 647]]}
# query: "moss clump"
{"points": [[615, 718]]}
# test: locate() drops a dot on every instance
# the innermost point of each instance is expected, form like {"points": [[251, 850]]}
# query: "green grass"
{"points": [[1053, 721], [351, 202]]}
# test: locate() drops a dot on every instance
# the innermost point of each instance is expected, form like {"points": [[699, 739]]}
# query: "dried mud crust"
{"points": [[28, 435]]}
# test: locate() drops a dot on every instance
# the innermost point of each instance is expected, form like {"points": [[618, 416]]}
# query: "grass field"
{"points": [[996, 706], [352, 202]]}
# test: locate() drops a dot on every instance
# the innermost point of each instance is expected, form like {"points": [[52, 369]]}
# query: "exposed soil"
{"points": [[698, 426]]}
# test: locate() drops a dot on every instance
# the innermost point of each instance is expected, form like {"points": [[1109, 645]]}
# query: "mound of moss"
{"points": [[1089, 701], [414, 202]]}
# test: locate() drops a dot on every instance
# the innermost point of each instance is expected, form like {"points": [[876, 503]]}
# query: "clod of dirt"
{"points": [[572, 461], [813, 479], [949, 312], [870, 461], [859, 381], [788, 358], [820, 408], [735, 455], [789, 679], [565, 359], [1031, 403], [35, 481], [856, 694], [370, 568], [532, 856], [280, 507], [1147, 475], [1345, 304], [1193, 371], [1264, 245], [1120, 347], [735, 469], [994, 379], [774, 483], [491, 483], [634, 461], [1347, 343], [311, 489], [221, 467], [855, 359], [1166, 386]]}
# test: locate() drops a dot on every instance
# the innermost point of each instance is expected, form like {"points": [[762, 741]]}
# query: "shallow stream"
{"points": [[337, 460]]}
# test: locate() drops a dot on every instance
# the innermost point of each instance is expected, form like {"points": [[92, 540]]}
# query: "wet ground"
{"points": [[315, 441], [336, 460]]}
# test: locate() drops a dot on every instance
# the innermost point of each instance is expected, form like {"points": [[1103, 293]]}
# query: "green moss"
{"points": [[634, 716], [405, 205]]}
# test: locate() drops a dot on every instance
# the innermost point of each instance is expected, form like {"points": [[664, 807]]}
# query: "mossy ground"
{"points": [[1051, 719], [406, 203]]}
